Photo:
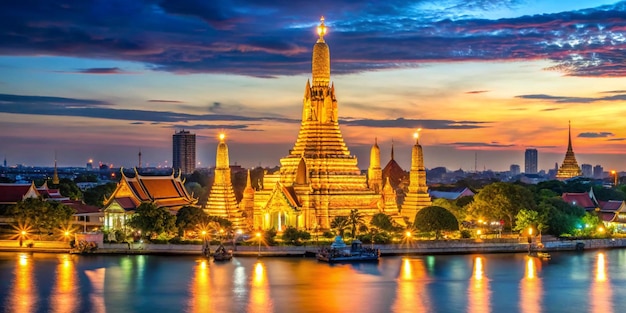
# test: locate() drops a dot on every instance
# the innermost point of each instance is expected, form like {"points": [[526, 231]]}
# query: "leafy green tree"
{"points": [[562, 218], [295, 236], [152, 220], [590, 224], [382, 221], [189, 218], [68, 188], [355, 219], [435, 219], [530, 219], [340, 224], [42, 215], [459, 212], [95, 196], [501, 201]]}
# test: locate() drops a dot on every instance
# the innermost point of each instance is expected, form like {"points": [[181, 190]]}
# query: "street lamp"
{"points": [[205, 245], [66, 234], [614, 173], [258, 237]]}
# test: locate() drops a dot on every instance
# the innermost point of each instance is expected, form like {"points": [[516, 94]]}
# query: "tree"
{"points": [[152, 220], [435, 219], [339, 224], [294, 236], [189, 218], [355, 219], [42, 215], [501, 201], [459, 212], [95, 196], [530, 219], [68, 188], [382, 221]]}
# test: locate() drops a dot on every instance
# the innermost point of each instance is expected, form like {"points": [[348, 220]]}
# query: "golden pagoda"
{"points": [[569, 168], [222, 201], [55, 175], [417, 197], [374, 172], [319, 179]]}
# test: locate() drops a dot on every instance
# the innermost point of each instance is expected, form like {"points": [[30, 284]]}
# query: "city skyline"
{"points": [[485, 80]]}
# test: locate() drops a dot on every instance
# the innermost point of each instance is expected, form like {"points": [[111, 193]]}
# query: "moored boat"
{"points": [[221, 254], [338, 252]]}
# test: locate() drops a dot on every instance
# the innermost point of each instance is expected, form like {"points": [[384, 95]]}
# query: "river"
{"points": [[591, 281]]}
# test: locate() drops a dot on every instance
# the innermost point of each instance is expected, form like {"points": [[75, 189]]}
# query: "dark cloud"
{"points": [[165, 101], [563, 99], [102, 70], [412, 123], [270, 38], [56, 106], [616, 139], [480, 145], [476, 91], [209, 126], [596, 135]]}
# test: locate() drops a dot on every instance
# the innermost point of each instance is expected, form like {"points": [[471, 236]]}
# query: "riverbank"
{"points": [[414, 248]]}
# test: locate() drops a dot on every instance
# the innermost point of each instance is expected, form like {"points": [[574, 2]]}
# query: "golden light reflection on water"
{"points": [[478, 291], [200, 288], [23, 296], [260, 300], [96, 278], [411, 295], [601, 292], [531, 289], [65, 291]]}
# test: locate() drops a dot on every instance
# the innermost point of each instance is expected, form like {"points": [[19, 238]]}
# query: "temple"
{"points": [[319, 179], [417, 197], [569, 168], [222, 201], [167, 191]]}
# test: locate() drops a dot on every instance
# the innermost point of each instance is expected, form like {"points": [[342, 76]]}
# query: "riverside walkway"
{"points": [[418, 247]]}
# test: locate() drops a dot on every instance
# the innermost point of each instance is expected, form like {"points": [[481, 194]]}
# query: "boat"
{"points": [[339, 252], [221, 254]]}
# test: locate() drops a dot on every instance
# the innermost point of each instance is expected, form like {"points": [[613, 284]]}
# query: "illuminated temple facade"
{"points": [[569, 168], [319, 179]]}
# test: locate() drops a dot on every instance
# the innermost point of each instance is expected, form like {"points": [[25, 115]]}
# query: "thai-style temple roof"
{"points": [[451, 194], [164, 190], [394, 172], [581, 199], [570, 167], [13, 193]]}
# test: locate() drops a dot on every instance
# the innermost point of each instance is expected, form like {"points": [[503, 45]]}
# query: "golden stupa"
{"points": [[417, 197], [319, 179], [222, 201], [569, 168]]}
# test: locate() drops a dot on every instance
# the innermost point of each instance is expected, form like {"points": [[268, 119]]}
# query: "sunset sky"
{"points": [[484, 79]]}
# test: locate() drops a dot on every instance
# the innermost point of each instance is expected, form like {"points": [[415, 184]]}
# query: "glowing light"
{"points": [[321, 29], [601, 268], [478, 268], [530, 231], [258, 235], [408, 234], [222, 136]]}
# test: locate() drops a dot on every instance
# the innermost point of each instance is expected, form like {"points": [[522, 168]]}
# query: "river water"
{"points": [[592, 281]]}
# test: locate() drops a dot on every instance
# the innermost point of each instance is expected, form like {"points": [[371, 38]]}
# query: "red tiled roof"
{"points": [[138, 190], [610, 206], [160, 188], [606, 216], [13, 193], [581, 199], [82, 208], [127, 203]]}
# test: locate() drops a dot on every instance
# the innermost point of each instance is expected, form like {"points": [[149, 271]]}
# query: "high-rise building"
{"points": [[530, 161], [598, 171], [587, 170], [184, 152], [514, 169], [569, 168]]}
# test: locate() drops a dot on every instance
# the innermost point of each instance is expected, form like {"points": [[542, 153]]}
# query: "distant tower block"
{"points": [[184, 152], [417, 197], [222, 200], [569, 168], [139, 155], [530, 161]]}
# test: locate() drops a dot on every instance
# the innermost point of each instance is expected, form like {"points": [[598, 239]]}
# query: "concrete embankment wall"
{"points": [[417, 247]]}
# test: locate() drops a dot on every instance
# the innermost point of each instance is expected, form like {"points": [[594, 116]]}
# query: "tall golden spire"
{"points": [[375, 172], [417, 197], [569, 168], [321, 30], [55, 176], [321, 58]]}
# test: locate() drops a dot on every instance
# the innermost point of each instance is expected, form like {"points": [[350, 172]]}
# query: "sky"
{"points": [[483, 79]]}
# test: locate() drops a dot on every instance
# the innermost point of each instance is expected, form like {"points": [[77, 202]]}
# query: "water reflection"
{"points": [[65, 291], [601, 292], [200, 289], [23, 296], [531, 289], [96, 278], [478, 291], [411, 295], [260, 300]]}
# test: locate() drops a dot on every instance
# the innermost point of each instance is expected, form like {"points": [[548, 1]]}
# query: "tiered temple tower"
{"points": [[374, 172], [319, 179], [55, 175], [222, 200], [569, 168], [247, 202], [417, 197]]}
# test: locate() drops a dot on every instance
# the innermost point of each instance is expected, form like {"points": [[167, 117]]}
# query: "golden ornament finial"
{"points": [[416, 135], [222, 136], [321, 29]]}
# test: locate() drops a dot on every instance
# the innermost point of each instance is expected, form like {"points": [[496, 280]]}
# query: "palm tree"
{"points": [[355, 219], [339, 224]]}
